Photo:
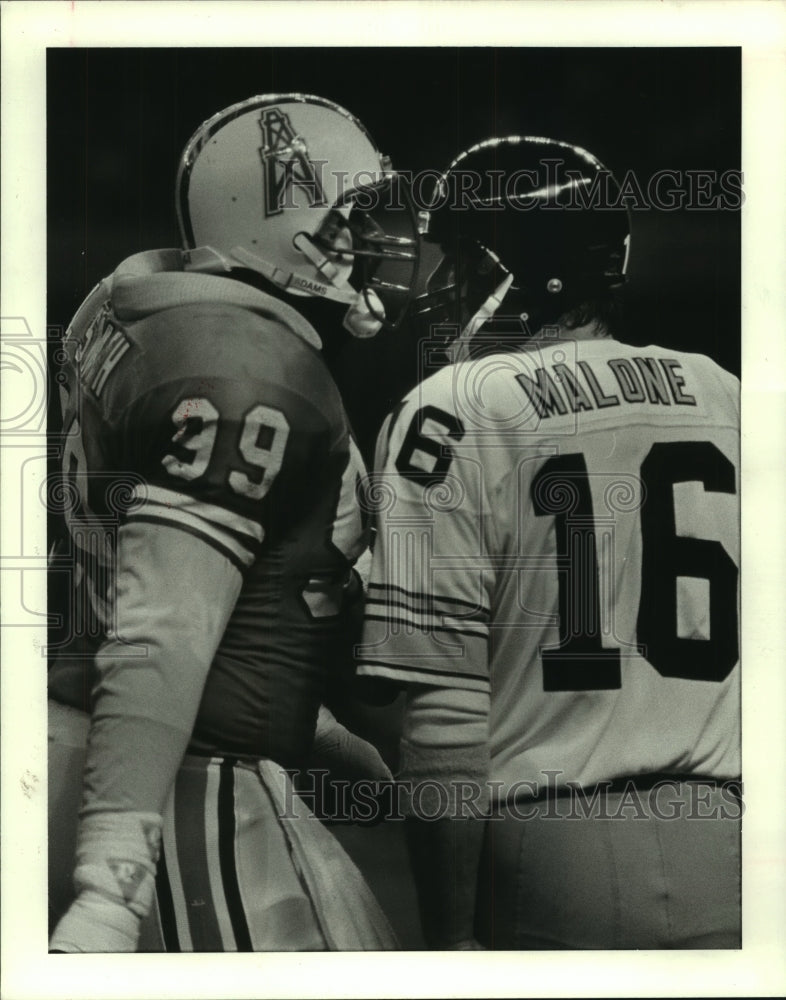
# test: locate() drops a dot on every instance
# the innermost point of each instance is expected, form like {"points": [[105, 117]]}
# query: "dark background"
{"points": [[119, 118], [117, 121]]}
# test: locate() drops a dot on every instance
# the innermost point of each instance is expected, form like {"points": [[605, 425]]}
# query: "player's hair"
{"points": [[606, 309]]}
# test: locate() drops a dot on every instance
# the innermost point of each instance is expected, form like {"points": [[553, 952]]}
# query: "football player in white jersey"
{"points": [[208, 487], [555, 582]]}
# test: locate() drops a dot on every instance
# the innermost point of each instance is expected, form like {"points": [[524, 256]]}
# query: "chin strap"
{"points": [[361, 320], [364, 317], [459, 349]]}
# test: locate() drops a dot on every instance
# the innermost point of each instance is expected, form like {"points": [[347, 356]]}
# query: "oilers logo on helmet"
{"points": [[312, 209], [286, 164]]}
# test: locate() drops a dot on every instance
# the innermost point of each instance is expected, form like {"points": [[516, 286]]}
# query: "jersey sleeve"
{"points": [[174, 598], [233, 429], [431, 583]]}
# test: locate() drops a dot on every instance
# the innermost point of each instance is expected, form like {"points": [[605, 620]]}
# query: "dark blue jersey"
{"points": [[196, 402]]}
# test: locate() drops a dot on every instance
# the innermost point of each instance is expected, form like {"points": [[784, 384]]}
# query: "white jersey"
{"points": [[561, 526]]}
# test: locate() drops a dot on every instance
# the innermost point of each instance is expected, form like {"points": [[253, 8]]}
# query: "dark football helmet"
{"points": [[529, 229]]}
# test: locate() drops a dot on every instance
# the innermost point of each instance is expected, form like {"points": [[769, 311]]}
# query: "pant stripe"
{"points": [[226, 850], [175, 882], [166, 906], [212, 830], [195, 830]]}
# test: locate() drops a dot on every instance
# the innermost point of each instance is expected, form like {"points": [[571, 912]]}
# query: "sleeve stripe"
{"points": [[414, 594], [426, 609], [221, 516], [227, 535], [242, 562], [182, 518], [426, 627], [423, 670], [426, 675]]}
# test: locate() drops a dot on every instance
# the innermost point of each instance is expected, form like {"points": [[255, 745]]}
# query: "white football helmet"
{"points": [[292, 187]]}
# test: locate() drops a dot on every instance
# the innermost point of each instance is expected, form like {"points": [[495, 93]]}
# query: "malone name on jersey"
{"points": [[566, 389]]}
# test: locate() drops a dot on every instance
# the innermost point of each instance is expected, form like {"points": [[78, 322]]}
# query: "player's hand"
{"points": [[114, 878], [345, 755], [94, 923]]}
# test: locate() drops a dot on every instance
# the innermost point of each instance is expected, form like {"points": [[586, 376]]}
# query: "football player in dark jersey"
{"points": [[209, 480]]}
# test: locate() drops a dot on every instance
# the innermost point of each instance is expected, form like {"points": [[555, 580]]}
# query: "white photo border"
{"points": [[759, 969]]}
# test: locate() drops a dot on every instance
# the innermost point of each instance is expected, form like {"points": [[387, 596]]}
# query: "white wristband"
{"points": [[116, 855], [115, 882], [94, 923]]}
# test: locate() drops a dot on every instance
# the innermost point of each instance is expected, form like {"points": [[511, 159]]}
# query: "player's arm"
{"points": [[347, 756], [191, 531], [427, 628], [444, 763], [174, 596]]}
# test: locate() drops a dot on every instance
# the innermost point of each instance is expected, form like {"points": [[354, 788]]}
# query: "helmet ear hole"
{"points": [[334, 235], [334, 238]]}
